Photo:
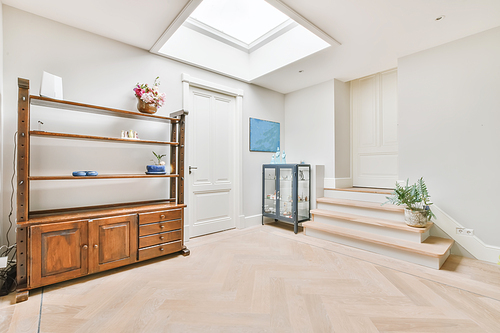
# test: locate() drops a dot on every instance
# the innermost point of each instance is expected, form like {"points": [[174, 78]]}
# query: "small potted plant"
{"points": [[158, 167], [416, 198], [149, 99]]}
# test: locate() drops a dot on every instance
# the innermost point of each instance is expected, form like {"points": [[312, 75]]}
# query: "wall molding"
{"points": [[252, 221], [471, 244]]}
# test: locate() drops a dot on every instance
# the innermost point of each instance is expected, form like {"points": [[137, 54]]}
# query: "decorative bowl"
{"points": [[156, 168]]}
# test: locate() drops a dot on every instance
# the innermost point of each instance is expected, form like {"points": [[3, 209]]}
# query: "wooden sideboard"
{"points": [[61, 244]]}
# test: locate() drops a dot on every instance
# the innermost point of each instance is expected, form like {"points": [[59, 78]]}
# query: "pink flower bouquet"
{"points": [[150, 95]]}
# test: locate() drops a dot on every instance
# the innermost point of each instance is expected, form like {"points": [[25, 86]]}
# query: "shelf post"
{"points": [[173, 160], [182, 125], [23, 154]]}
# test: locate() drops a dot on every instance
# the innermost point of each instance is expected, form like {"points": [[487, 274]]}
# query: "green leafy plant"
{"points": [[158, 158], [415, 197]]}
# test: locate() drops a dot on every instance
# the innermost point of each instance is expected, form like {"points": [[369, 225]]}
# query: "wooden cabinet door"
{"points": [[112, 242], [58, 252]]}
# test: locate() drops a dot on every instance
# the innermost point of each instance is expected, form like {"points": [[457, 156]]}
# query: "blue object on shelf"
{"points": [[79, 173], [91, 173], [155, 168]]}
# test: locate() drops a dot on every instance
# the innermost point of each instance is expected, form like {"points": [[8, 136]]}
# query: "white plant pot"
{"points": [[415, 218]]}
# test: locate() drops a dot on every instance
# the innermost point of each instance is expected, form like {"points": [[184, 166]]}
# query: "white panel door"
{"points": [[210, 155], [375, 139]]}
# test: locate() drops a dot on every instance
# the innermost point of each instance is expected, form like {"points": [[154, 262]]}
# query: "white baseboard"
{"points": [[251, 221], [471, 244], [240, 223]]}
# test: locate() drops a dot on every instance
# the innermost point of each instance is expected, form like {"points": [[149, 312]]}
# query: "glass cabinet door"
{"points": [[303, 179], [270, 191], [286, 193]]}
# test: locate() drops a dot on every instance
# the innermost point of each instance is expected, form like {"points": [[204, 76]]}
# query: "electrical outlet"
{"points": [[469, 232], [465, 231], [3, 262]]}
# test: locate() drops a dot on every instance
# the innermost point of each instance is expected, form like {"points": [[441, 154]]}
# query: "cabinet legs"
{"points": [[22, 296], [185, 251]]}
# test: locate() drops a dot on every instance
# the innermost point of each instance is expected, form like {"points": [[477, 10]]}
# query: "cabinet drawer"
{"points": [[164, 237], [164, 215], [155, 228], [159, 250]]}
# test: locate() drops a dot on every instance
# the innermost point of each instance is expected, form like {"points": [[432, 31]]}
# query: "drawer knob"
{"points": [[162, 238], [85, 247], [162, 216], [161, 249], [96, 246], [162, 226]]}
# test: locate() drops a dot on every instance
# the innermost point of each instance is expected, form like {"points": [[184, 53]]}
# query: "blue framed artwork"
{"points": [[264, 135]]}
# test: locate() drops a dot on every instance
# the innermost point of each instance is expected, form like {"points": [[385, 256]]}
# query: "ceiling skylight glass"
{"points": [[245, 20]]}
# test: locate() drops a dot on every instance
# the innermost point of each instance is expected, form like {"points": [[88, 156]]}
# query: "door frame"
{"points": [[187, 82]]}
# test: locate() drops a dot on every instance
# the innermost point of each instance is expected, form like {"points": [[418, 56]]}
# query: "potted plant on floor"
{"points": [[416, 198]]}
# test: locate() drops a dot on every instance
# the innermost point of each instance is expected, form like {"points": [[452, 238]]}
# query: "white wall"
{"points": [[342, 129], [309, 123], [449, 123], [97, 70]]}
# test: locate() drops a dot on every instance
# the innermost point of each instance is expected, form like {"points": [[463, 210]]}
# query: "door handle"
{"points": [[192, 168]]}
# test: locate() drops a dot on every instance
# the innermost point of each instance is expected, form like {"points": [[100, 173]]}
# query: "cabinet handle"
{"points": [[162, 238], [96, 246], [162, 216], [162, 226], [85, 247], [161, 249]]}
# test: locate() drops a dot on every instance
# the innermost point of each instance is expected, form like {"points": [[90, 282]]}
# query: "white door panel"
{"points": [[211, 147], [375, 145]]}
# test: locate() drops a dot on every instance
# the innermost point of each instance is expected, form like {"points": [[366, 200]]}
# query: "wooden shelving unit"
{"points": [[60, 244], [98, 138], [99, 177]]}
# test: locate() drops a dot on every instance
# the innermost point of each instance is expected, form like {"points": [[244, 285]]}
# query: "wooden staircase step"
{"points": [[370, 220], [362, 204], [432, 247], [363, 190]]}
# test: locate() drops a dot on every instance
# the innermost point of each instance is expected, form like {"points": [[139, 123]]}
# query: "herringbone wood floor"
{"points": [[266, 279]]}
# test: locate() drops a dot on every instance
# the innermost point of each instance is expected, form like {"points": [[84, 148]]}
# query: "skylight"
{"points": [[245, 20], [243, 39]]}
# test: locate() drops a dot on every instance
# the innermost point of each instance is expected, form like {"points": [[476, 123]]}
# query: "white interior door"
{"points": [[211, 136], [375, 139]]}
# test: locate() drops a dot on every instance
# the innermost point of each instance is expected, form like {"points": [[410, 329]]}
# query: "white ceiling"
{"points": [[373, 33]]}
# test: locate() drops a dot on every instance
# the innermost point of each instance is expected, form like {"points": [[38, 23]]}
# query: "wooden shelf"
{"points": [[99, 138], [100, 177], [81, 107], [75, 213]]}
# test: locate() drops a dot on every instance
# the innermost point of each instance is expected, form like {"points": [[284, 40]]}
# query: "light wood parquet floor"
{"points": [[266, 279]]}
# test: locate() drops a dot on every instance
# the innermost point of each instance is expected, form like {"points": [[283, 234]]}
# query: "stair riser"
{"points": [[376, 230], [372, 197], [415, 258], [381, 214]]}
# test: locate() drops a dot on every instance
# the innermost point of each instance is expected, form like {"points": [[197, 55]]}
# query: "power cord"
{"points": [[8, 274]]}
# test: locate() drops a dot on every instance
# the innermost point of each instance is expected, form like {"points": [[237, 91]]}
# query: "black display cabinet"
{"points": [[286, 193]]}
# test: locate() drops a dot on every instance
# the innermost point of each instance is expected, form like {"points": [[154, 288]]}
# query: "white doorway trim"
{"points": [[189, 81]]}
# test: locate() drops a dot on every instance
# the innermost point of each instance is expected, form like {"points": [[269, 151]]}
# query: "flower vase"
{"points": [[145, 107]]}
